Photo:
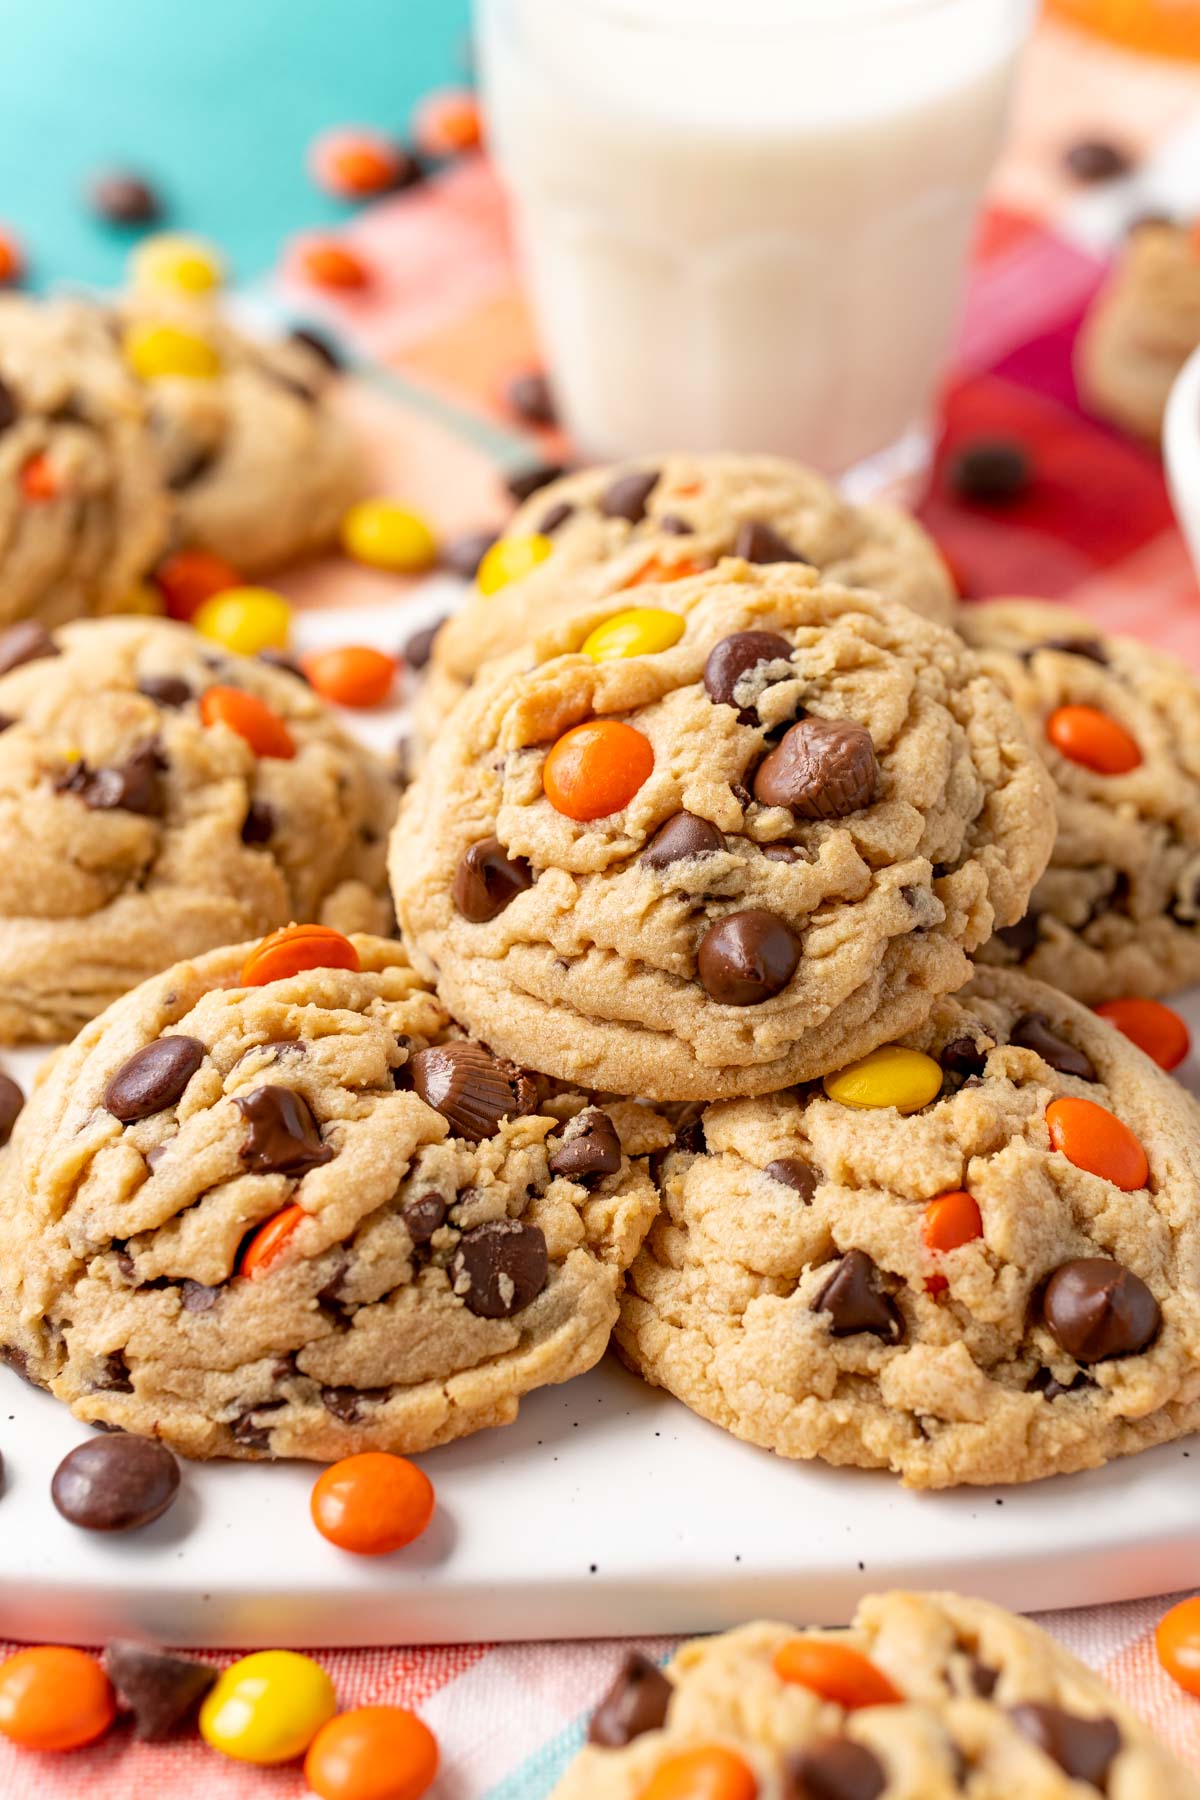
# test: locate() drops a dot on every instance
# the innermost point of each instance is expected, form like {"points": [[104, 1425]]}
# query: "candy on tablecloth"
{"points": [[245, 619], [267, 1708]]}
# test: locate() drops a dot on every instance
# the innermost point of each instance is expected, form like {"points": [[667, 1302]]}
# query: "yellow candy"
{"points": [[905, 1079], [509, 559], [268, 1707], [245, 619], [153, 351], [388, 536], [639, 631], [175, 264]]}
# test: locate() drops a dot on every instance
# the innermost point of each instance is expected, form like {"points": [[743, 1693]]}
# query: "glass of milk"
{"points": [[745, 221]]}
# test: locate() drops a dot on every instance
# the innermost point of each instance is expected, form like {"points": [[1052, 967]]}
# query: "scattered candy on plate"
{"points": [[245, 619], [354, 675], [372, 1504], [187, 578], [385, 535]]}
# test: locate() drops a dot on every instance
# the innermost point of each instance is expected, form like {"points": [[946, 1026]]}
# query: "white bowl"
{"points": [[1181, 449]]}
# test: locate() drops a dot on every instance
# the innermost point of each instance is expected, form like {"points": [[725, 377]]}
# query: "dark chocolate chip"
{"points": [[463, 555], [11, 1102], [983, 1678], [419, 647], [962, 1056], [835, 1769], [735, 656], [523, 483], [487, 880], [1044, 1383], [287, 665], [134, 785], [160, 1690], [346, 1403], [992, 471], [795, 1173], [25, 643], [855, 1303], [591, 1151], [1096, 1308], [1034, 1032], [555, 516], [9, 410], [1097, 159], [759, 542], [165, 690], [153, 1078], [530, 398], [258, 826], [691, 1138], [783, 853], [331, 1293], [1082, 1748], [1089, 647], [284, 1138], [122, 198], [1021, 938], [114, 1375], [682, 835], [246, 1430], [823, 769], [674, 525], [499, 1268], [636, 1702], [116, 1483], [626, 497], [747, 957], [320, 345], [424, 1216], [471, 1088], [197, 1298]]}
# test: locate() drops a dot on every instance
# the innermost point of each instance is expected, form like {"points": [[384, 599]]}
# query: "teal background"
{"points": [[215, 102]]}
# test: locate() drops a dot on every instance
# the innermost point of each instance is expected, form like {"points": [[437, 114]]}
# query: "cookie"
{"points": [[755, 849], [83, 515], [973, 1259], [616, 528], [924, 1697], [1141, 328], [1118, 910], [138, 825], [306, 1219]]}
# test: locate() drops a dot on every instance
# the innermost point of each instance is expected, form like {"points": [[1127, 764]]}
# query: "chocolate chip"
{"points": [[793, 1172], [188, 466], [25, 643], [1096, 1308], [153, 1078], [1021, 938], [499, 1268], [759, 542], [523, 483], [626, 497], [823, 769], [114, 1375], [983, 1678], [1034, 1032], [318, 343], [1046, 1384], [1097, 159], [471, 1088], [682, 835], [258, 826], [9, 410], [735, 656], [424, 1216], [783, 853], [11, 1102], [1082, 1748], [836, 1769], [854, 1302], [6, 721], [555, 516], [747, 957], [992, 471], [530, 398], [674, 525], [287, 665], [165, 690], [246, 1430], [284, 1138], [160, 1690], [116, 1483], [591, 1151], [487, 880], [197, 1298], [636, 1702], [123, 198], [419, 647], [1090, 647], [134, 785], [963, 1057], [346, 1403]]}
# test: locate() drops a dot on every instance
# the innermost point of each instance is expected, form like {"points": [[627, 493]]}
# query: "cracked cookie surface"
{"points": [[812, 807], [439, 1241]]}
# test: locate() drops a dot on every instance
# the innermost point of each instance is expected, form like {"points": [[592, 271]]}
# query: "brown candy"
{"points": [[682, 835], [821, 769], [134, 785], [165, 690], [855, 1303], [471, 1088], [1082, 1748], [123, 198], [636, 1702], [11, 1102], [153, 1078], [487, 879], [1034, 1032], [115, 1483], [735, 656], [759, 542], [793, 1172], [747, 957], [1095, 1308], [835, 1769], [592, 1150], [284, 1138], [1097, 159], [160, 1690], [626, 497], [24, 643], [499, 1268]]}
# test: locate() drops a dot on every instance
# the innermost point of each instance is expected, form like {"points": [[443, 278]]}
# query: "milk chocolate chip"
{"points": [[591, 1151], [1095, 1308], [165, 690], [23, 643], [759, 542], [626, 497], [1034, 1032], [747, 957], [636, 1702], [1082, 1748], [471, 1088], [153, 1078], [682, 835], [837, 1769], [487, 879], [499, 1268], [821, 769], [11, 1102], [795, 1173], [134, 785], [160, 1690], [854, 1302], [284, 1138], [735, 656]]}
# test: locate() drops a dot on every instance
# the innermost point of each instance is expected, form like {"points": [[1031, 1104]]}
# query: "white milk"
{"points": [[745, 221]]}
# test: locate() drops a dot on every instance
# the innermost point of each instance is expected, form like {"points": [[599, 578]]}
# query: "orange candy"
{"points": [[835, 1671], [328, 264], [296, 947], [355, 675], [270, 1240], [448, 123], [709, 1772], [1177, 1641], [38, 480], [251, 718], [353, 164], [1152, 1026], [1093, 738], [596, 768], [658, 570], [12, 258], [54, 1699], [949, 1221], [187, 578], [372, 1504], [372, 1753], [1094, 1139]]}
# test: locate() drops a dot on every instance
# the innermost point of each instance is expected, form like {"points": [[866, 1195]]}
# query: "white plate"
{"points": [[606, 1509]]}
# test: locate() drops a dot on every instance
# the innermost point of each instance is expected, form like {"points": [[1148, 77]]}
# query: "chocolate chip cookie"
{"points": [[614, 528], [159, 797], [1142, 327], [726, 840], [305, 1218], [1118, 724], [973, 1257], [923, 1697]]}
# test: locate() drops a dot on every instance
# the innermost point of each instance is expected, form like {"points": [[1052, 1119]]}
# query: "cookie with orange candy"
{"points": [[971, 1257], [272, 1203], [1118, 725], [927, 1695]]}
